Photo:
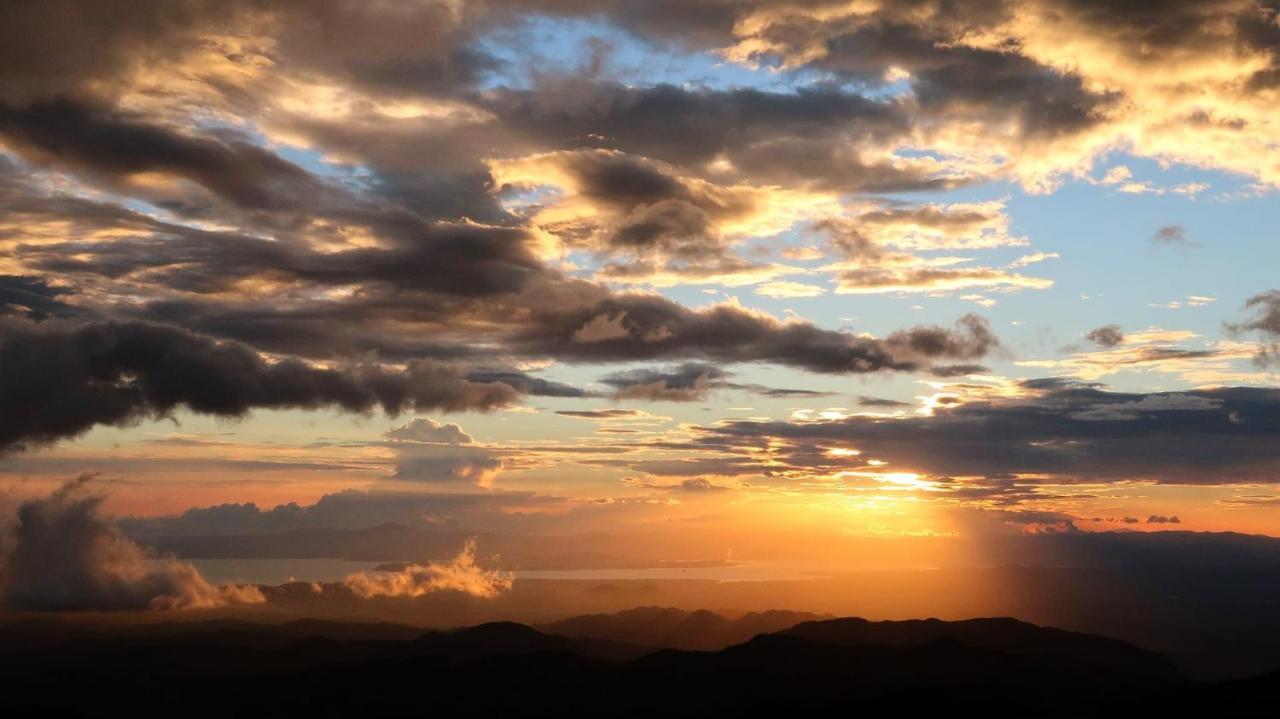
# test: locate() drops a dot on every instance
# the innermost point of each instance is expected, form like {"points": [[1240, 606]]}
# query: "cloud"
{"points": [[31, 297], [1064, 431], [957, 226], [788, 290], [931, 279], [689, 382], [422, 429], [428, 451], [1266, 323], [865, 401], [647, 218], [870, 263], [958, 370], [525, 383], [602, 413], [657, 328], [349, 509], [1172, 236], [696, 485], [1107, 336], [1049, 86], [815, 138], [65, 556], [460, 574], [100, 141], [1161, 519], [63, 378], [1157, 350]]}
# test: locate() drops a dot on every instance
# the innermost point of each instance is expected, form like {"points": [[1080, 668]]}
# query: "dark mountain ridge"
{"points": [[1001, 667]]}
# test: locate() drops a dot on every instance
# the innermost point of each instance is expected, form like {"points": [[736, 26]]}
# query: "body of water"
{"points": [[280, 571]]}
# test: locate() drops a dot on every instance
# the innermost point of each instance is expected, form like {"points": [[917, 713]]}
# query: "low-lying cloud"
{"points": [[66, 556], [460, 574]]}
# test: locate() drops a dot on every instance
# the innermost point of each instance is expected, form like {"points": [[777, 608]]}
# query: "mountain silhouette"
{"points": [[672, 628], [999, 667]]}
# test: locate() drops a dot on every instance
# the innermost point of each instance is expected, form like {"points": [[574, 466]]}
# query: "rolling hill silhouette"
{"points": [[676, 628], [1001, 667]]}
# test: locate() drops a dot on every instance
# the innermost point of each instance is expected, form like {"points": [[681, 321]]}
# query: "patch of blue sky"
{"points": [[1104, 237], [307, 158], [1108, 259], [543, 45]]}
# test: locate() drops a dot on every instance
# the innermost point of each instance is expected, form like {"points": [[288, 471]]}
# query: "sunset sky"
{"points": [[707, 273]]}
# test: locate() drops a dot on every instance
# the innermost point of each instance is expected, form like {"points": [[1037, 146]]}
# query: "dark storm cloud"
{"points": [[948, 79], [1107, 336], [457, 290], [1073, 431], [650, 327], [61, 379], [95, 42], [481, 260], [92, 139], [65, 556], [402, 284], [1045, 103], [322, 330], [651, 209], [808, 138], [33, 297]]}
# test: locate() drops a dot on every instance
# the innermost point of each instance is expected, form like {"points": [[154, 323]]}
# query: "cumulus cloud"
{"points": [[428, 451], [650, 221], [66, 556], [460, 574]]}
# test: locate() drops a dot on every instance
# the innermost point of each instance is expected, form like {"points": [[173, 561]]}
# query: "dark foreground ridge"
{"points": [[999, 667]]}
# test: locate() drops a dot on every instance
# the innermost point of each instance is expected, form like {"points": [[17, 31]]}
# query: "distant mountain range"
{"points": [[593, 665], [671, 628]]}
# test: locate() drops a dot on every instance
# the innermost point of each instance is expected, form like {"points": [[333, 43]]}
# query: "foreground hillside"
{"points": [[1002, 667]]}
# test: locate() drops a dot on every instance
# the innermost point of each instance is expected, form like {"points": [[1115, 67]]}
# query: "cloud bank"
{"points": [[66, 556]]}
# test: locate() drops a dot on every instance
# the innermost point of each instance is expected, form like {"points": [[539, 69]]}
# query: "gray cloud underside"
{"points": [[1072, 432], [61, 379]]}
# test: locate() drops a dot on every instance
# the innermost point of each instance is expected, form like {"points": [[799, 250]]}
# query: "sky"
{"points": [[738, 278]]}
